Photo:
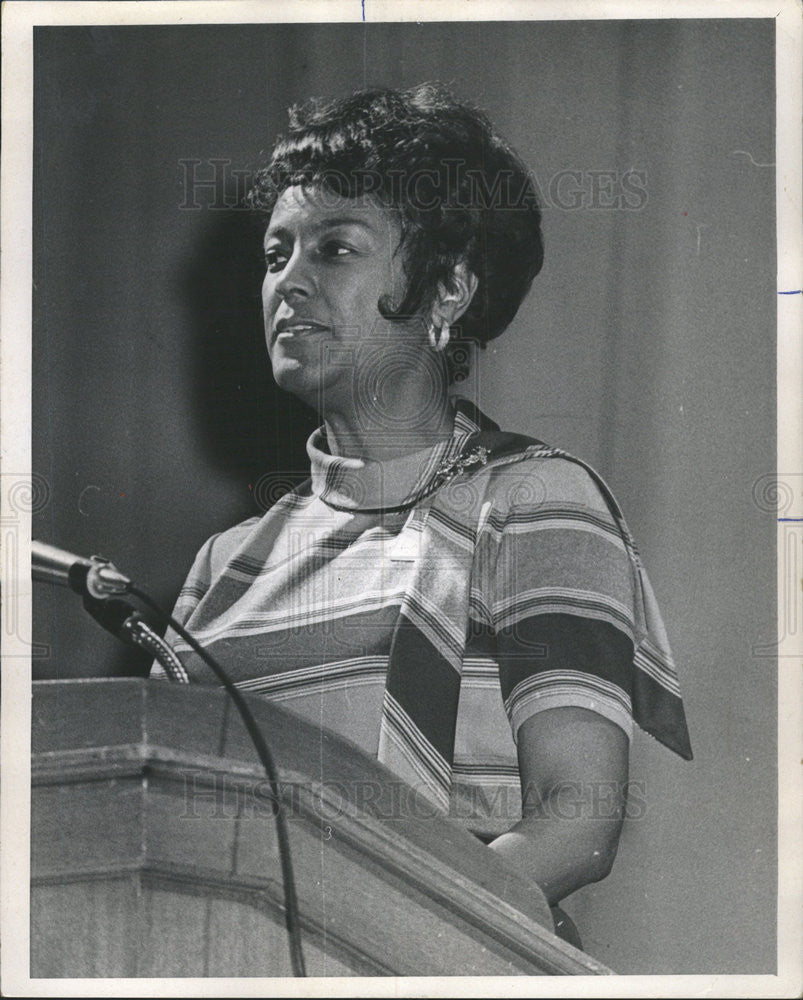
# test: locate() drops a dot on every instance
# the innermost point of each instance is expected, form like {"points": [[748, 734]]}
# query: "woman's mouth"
{"points": [[287, 328]]}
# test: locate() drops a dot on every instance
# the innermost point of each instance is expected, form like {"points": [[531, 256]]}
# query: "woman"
{"points": [[465, 604]]}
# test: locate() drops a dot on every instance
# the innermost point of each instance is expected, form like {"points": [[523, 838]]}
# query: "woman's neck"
{"points": [[383, 429]]}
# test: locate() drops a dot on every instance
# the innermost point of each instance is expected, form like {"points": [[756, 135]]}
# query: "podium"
{"points": [[153, 851]]}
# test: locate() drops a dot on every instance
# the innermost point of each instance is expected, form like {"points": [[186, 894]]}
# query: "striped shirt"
{"points": [[428, 635]]}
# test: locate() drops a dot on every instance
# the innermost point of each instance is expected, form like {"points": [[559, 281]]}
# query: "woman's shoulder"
{"points": [[535, 475], [232, 537], [526, 472], [240, 539], [219, 548]]}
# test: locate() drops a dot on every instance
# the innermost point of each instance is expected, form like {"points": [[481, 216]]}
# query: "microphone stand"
{"points": [[126, 623]]}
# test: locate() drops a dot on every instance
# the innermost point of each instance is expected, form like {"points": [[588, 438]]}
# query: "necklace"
{"points": [[448, 469]]}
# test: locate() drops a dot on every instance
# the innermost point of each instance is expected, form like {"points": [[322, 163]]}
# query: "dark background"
{"points": [[647, 347]]}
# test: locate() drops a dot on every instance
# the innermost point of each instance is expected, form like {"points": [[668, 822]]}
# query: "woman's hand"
{"points": [[574, 766]]}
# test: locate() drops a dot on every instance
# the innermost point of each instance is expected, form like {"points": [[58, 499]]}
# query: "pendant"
{"points": [[457, 466]]}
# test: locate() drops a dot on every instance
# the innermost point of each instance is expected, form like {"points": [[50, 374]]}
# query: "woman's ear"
{"points": [[451, 303]]}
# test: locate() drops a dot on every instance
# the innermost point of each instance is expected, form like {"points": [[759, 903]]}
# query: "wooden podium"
{"points": [[153, 851]]}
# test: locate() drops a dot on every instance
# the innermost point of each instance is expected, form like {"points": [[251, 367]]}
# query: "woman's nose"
{"points": [[296, 278]]}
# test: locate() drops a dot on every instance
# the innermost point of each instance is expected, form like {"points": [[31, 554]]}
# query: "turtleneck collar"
{"points": [[358, 483]]}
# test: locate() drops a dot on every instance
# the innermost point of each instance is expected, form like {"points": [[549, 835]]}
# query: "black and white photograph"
{"points": [[402, 499]]}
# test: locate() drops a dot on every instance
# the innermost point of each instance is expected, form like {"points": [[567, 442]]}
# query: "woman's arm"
{"points": [[574, 766]]}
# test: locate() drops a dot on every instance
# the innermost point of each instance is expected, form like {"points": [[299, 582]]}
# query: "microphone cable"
{"points": [[291, 912]]}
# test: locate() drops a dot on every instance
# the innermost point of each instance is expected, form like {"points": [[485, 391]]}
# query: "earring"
{"points": [[438, 339]]}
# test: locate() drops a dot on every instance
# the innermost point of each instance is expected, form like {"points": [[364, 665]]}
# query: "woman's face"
{"points": [[329, 261]]}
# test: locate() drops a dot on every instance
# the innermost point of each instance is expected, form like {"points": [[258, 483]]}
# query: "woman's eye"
{"points": [[333, 248], [275, 259]]}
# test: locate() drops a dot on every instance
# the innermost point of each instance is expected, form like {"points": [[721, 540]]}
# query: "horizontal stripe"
{"points": [[570, 602], [328, 676], [552, 680], [259, 624], [452, 528], [526, 520], [568, 689], [479, 673], [484, 772], [552, 643], [194, 591]]}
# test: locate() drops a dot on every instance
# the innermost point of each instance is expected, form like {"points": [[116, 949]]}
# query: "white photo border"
{"points": [[19, 18]]}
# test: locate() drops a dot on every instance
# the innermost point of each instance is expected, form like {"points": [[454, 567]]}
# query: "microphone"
{"points": [[95, 577], [96, 580]]}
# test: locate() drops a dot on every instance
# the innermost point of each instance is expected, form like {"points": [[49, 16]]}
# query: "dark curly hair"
{"points": [[461, 193]]}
